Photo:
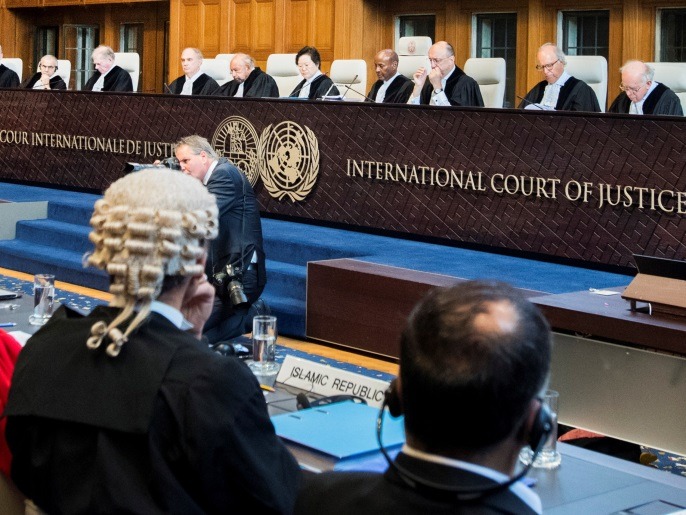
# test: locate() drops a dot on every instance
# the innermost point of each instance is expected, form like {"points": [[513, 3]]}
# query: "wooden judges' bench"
{"points": [[619, 373]]}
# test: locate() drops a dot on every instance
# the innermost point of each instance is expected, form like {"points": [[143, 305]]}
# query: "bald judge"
{"points": [[445, 84], [391, 88], [248, 80], [643, 95]]}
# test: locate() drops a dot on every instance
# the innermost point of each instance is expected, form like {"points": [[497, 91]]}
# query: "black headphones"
{"points": [[539, 433]]}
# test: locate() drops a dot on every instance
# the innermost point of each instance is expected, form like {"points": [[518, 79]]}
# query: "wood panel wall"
{"points": [[340, 29]]}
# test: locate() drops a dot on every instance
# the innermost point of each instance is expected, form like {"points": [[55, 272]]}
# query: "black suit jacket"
{"points": [[117, 79], [166, 427], [203, 85], [320, 86], [460, 89], [368, 493], [240, 227], [8, 78], [56, 82], [257, 85], [399, 91]]}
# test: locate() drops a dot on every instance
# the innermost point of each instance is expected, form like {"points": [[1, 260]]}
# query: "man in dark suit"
{"points": [[559, 91], [193, 81], [248, 80], [391, 88], [445, 84], [46, 77], [239, 243], [473, 361], [126, 410], [107, 76], [643, 95], [8, 78]]}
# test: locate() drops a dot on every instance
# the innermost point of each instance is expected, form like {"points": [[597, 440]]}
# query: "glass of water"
{"points": [[263, 363], [549, 457], [43, 298]]}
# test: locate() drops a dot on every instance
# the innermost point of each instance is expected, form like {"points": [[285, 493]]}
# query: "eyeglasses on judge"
{"points": [[627, 89], [549, 66], [436, 61]]}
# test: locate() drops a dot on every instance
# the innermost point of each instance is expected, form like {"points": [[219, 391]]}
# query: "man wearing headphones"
{"points": [[478, 353], [46, 77], [239, 243]]}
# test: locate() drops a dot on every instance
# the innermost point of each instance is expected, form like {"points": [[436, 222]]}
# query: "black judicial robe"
{"points": [[320, 86], [575, 95], [56, 82], [168, 426], [661, 101], [257, 85], [117, 79], [8, 78], [398, 92], [203, 85], [460, 89]]}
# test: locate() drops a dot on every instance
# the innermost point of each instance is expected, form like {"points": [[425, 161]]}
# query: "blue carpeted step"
{"points": [[286, 279], [72, 210], [289, 312], [50, 232], [66, 265]]}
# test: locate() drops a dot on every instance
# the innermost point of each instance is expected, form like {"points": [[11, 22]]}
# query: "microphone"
{"points": [[328, 91], [529, 102], [167, 89], [362, 94]]}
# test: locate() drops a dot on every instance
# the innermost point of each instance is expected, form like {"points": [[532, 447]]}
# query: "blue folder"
{"points": [[341, 430]]}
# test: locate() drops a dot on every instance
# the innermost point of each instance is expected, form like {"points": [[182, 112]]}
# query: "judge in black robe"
{"points": [[662, 101], [256, 83], [445, 84], [8, 78], [203, 85], [117, 79], [47, 72], [308, 61], [638, 86], [573, 95], [399, 87], [191, 61]]}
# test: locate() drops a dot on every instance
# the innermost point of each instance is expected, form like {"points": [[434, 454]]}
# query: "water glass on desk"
{"points": [[549, 457], [43, 298], [263, 363]]}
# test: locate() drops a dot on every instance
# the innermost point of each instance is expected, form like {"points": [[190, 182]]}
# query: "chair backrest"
{"points": [[218, 69], [131, 62], [412, 54], [672, 75], [15, 64], [351, 73], [226, 57], [489, 73], [64, 70], [592, 69], [283, 69]]}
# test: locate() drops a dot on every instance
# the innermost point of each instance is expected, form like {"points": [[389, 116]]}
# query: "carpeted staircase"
{"points": [[57, 245]]}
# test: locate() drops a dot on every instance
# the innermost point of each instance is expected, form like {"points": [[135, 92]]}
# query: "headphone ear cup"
{"points": [[541, 428], [392, 399]]}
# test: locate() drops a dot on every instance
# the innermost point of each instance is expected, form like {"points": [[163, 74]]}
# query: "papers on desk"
{"points": [[341, 430]]}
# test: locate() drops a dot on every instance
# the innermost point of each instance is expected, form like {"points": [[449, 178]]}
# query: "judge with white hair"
{"points": [[126, 410], [641, 94]]}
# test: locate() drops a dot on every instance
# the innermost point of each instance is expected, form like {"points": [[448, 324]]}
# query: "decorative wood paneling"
{"points": [[211, 27], [263, 23], [297, 23], [241, 27]]}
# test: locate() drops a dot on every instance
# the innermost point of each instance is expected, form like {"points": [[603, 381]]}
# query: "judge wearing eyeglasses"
{"points": [[46, 77], [643, 95], [445, 84], [559, 91]]}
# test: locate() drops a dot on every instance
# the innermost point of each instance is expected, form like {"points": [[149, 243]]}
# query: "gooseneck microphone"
{"points": [[529, 102], [463, 494]]}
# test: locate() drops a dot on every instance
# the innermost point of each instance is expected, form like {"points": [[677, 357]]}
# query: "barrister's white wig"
{"points": [[149, 224]]}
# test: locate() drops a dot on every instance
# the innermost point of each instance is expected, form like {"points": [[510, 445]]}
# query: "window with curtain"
{"points": [[586, 32]]}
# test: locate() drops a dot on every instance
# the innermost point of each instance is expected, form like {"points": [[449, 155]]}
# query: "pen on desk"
{"points": [[267, 388], [10, 324]]}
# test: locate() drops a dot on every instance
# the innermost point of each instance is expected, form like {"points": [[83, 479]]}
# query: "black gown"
{"points": [[661, 101], [203, 85], [575, 95], [460, 89], [257, 85], [398, 92], [320, 86]]}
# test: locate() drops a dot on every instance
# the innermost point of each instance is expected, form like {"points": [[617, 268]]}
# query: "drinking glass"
{"points": [[43, 297]]}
